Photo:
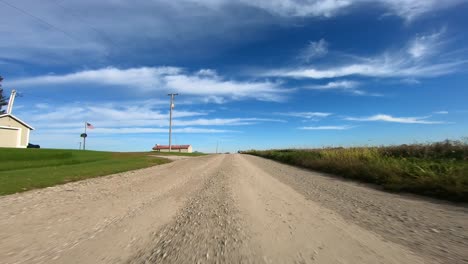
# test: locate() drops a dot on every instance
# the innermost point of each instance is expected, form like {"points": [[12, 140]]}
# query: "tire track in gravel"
{"points": [[207, 230], [435, 229]]}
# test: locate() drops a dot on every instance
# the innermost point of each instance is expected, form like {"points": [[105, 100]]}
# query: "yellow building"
{"points": [[14, 133]]}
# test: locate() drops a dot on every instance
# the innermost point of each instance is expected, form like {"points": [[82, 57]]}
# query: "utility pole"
{"points": [[11, 101], [217, 143], [172, 95]]}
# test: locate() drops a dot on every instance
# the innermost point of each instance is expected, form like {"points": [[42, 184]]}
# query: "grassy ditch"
{"points": [[26, 169], [437, 170]]}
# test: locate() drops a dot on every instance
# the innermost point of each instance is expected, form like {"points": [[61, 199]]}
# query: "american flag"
{"points": [[88, 125]]}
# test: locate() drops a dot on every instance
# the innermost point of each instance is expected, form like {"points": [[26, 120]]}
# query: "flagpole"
{"points": [[84, 138]]}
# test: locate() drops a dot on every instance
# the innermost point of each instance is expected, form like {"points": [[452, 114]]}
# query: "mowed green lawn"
{"points": [[26, 169]]}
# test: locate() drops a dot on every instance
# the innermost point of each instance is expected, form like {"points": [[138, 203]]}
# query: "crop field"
{"points": [[26, 169], [438, 170]]}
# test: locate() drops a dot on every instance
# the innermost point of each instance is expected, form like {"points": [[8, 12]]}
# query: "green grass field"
{"points": [[437, 170], [26, 169]]}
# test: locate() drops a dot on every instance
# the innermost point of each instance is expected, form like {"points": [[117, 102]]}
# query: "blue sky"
{"points": [[250, 74]]}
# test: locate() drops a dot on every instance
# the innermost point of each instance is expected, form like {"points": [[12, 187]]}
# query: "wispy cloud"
{"points": [[224, 121], [314, 49], [425, 60], [389, 118], [142, 78], [441, 112], [425, 45], [326, 127], [206, 83], [384, 67], [315, 8], [342, 85], [111, 118], [96, 36], [140, 130], [306, 115], [407, 9], [106, 114], [411, 9]]}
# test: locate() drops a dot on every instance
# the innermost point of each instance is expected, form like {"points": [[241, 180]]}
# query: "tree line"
{"points": [[3, 99]]}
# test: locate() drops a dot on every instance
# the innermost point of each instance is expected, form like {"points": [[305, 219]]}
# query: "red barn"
{"points": [[174, 148]]}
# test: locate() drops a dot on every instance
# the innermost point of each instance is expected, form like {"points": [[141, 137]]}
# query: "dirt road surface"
{"points": [[227, 209]]}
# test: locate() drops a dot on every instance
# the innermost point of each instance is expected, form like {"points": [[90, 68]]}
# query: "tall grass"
{"points": [[438, 170]]}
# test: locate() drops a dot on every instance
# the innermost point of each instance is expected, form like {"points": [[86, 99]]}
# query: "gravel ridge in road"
{"points": [[207, 229], [430, 228]]}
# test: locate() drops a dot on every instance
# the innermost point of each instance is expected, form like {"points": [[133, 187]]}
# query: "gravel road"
{"points": [[227, 209]]}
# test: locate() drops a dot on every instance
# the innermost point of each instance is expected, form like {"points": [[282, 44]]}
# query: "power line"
{"points": [[38, 19], [102, 34], [77, 17]]}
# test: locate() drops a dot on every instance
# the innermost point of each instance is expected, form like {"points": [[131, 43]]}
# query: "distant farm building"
{"points": [[14, 133], [174, 148]]}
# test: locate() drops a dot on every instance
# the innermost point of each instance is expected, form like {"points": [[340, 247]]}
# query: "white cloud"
{"points": [[441, 112], [314, 50], [223, 121], [160, 123], [207, 72], [217, 86], [139, 117], [143, 78], [325, 8], [424, 62], [411, 81], [344, 86], [384, 67], [389, 118], [138, 130], [425, 45], [206, 83], [326, 128], [418, 49], [92, 34], [104, 114], [411, 9], [214, 99], [307, 115], [337, 85], [407, 9]]}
